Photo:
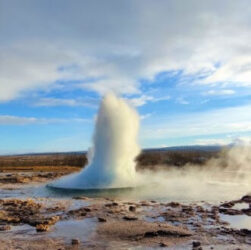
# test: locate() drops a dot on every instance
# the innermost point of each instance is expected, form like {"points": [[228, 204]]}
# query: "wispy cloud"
{"points": [[19, 120], [66, 102], [193, 38], [144, 99], [182, 100], [225, 120], [224, 141], [145, 116], [218, 92]]}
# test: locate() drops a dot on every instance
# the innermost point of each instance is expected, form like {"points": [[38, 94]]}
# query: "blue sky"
{"points": [[185, 66]]}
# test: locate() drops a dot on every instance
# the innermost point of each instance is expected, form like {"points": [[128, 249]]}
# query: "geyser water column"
{"points": [[112, 157]]}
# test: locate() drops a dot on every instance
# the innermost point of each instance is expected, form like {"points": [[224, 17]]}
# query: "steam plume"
{"points": [[115, 148]]}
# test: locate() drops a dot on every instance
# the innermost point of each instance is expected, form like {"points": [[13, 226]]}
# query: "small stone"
{"points": [[173, 204], [162, 244], [132, 208], [196, 244], [245, 232], [150, 234], [101, 219], [130, 218], [42, 228], [79, 198], [246, 198], [75, 241]]}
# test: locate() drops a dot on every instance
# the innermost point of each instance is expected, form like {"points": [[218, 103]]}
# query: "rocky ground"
{"points": [[103, 223]]}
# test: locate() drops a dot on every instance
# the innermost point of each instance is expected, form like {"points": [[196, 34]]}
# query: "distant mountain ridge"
{"points": [[210, 148]]}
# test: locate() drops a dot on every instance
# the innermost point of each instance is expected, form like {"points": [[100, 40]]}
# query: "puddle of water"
{"points": [[81, 229], [154, 219], [240, 206], [237, 221]]}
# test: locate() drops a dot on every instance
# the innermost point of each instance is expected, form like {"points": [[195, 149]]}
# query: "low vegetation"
{"points": [[148, 159]]}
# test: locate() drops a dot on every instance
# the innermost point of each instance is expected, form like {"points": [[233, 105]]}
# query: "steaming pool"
{"points": [[155, 194], [213, 192]]}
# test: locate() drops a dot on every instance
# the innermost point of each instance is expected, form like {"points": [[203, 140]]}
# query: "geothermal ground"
{"points": [[35, 217]]}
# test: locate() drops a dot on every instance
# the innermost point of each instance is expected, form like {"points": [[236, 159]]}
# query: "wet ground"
{"points": [[35, 217]]}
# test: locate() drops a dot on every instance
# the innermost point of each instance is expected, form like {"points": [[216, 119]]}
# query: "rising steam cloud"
{"points": [[112, 158], [112, 164], [221, 178]]}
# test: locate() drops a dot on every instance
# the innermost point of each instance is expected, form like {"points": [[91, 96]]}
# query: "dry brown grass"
{"points": [[74, 161]]}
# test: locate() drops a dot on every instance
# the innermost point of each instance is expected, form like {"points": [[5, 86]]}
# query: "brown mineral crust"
{"points": [[5, 227], [247, 211], [17, 211], [141, 231], [246, 198], [34, 221], [132, 208], [130, 217], [42, 228], [230, 211], [80, 212]]}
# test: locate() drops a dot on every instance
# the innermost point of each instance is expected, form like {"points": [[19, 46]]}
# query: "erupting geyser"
{"points": [[112, 158]]}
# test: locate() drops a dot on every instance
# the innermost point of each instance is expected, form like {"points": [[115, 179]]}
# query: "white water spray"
{"points": [[112, 158]]}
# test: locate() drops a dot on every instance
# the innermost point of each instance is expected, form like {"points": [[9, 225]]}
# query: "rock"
{"points": [[79, 212], [101, 219], [113, 204], [245, 232], [42, 228], [228, 204], [246, 198], [173, 204], [34, 221], [200, 209], [132, 208], [162, 244], [75, 241], [150, 234], [5, 227], [79, 198], [247, 211], [180, 233], [196, 244], [144, 203], [130, 218], [87, 209], [230, 211]]}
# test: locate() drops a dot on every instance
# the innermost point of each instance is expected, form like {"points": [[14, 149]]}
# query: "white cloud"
{"points": [[219, 92], [221, 121], [224, 141], [19, 120], [145, 116], [144, 99], [236, 71], [181, 100], [66, 102], [117, 43], [140, 101], [218, 141]]}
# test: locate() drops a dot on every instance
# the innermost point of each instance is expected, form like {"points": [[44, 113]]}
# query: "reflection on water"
{"points": [[80, 229], [212, 192], [237, 221]]}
